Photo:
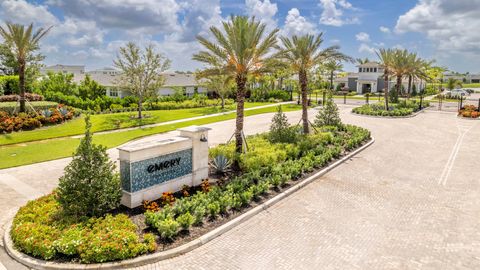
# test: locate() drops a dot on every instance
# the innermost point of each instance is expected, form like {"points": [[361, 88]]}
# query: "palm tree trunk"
{"points": [[331, 80], [21, 82], [140, 107], [241, 81], [386, 90], [399, 84], [280, 83], [303, 81], [223, 102], [409, 84]]}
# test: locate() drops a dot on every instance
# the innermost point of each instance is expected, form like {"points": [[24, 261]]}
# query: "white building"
{"points": [[109, 78], [369, 79], [75, 70]]}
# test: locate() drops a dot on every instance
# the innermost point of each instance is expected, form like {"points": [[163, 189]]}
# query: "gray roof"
{"points": [[171, 79], [369, 65]]}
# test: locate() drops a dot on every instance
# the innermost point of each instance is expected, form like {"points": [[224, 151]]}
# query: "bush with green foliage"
{"points": [[42, 230], [9, 85], [280, 129], [90, 185], [328, 115], [266, 95], [285, 162], [185, 104], [403, 108]]}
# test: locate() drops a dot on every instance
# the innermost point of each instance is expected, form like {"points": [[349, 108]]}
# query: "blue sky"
{"points": [[89, 32]]}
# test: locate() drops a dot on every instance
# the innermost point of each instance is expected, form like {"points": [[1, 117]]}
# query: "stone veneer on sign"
{"points": [[148, 169]]}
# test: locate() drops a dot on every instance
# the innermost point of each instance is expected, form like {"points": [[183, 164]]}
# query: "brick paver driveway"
{"points": [[410, 201]]}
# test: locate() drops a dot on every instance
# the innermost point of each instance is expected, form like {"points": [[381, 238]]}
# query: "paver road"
{"points": [[410, 201]]}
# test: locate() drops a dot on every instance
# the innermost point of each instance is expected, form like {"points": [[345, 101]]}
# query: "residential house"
{"points": [[75, 70]]}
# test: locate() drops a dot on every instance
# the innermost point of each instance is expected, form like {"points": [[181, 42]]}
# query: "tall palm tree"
{"points": [[242, 49], [331, 67], [400, 66], [22, 41], [303, 53], [385, 56], [362, 61]]}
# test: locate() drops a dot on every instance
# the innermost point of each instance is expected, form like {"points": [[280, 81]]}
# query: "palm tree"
{"points": [[385, 56], [362, 61], [22, 41], [302, 54], [400, 66], [331, 67], [242, 49], [453, 83]]}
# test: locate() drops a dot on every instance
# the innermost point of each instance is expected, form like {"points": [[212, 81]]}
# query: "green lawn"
{"points": [[103, 122], [33, 152]]}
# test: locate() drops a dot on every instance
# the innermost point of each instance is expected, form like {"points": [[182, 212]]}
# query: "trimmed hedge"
{"points": [[403, 108], [186, 104], [9, 107], [41, 230], [28, 96]]}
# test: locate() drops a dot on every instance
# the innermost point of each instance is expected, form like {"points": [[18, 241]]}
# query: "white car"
{"points": [[456, 93]]}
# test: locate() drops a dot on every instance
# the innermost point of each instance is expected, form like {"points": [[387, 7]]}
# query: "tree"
{"points": [[219, 84], [302, 54], [90, 186], [328, 115], [399, 66], [22, 42], [385, 56], [57, 82], [453, 83], [331, 67], [280, 129], [362, 61], [141, 71], [90, 89], [241, 50]]}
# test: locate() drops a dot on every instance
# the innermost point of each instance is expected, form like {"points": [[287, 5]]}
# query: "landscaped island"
{"points": [[400, 109], [92, 227]]}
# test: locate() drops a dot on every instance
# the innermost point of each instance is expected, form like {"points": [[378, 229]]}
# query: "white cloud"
{"points": [[264, 10], [385, 29], [451, 25], [333, 13], [20, 11], [152, 16], [295, 24], [363, 37], [365, 48]]}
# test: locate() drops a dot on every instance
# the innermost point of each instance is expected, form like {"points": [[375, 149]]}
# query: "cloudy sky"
{"points": [[89, 32]]}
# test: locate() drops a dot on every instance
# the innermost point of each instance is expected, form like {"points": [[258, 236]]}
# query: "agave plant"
{"points": [[63, 111], [46, 113], [221, 164]]}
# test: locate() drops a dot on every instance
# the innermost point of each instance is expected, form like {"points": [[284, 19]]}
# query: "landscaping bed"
{"points": [[40, 228], [469, 111], [401, 109], [32, 120]]}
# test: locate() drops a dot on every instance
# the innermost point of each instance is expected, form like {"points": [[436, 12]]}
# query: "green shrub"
{"points": [[9, 84], [167, 228], [90, 186], [280, 129], [40, 229], [186, 220], [328, 115]]}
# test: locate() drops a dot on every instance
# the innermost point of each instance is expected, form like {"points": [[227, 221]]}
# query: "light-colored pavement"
{"points": [[410, 201]]}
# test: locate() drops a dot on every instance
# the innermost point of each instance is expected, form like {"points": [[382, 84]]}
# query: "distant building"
{"points": [[109, 78], [465, 78], [368, 79], [66, 69]]}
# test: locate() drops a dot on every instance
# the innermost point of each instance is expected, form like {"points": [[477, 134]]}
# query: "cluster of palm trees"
{"points": [[402, 64], [244, 49]]}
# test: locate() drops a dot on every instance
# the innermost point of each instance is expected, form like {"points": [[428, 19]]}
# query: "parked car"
{"points": [[469, 91], [457, 93]]}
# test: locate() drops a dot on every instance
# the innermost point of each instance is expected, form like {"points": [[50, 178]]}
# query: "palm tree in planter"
{"points": [[416, 68], [303, 53], [400, 66], [22, 41], [242, 49], [385, 56]]}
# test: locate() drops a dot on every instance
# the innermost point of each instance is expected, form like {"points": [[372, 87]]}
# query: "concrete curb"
{"points": [[163, 255]]}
